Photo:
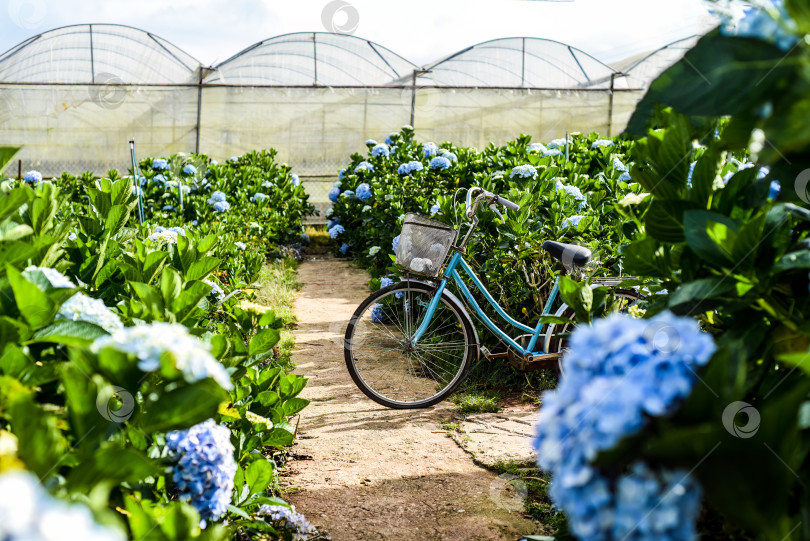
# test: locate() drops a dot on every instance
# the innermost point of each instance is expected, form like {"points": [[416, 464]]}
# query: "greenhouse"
{"points": [[77, 95], [551, 283]]}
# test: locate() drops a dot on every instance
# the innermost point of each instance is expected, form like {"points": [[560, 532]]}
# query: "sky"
{"points": [[419, 30]]}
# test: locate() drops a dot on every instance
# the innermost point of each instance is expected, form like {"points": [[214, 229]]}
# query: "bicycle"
{"points": [[412, 343]]}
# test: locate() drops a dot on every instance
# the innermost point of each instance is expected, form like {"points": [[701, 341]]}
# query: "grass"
{"points": [[473, 400], [537, 503], [279, 285], [319, 241]]}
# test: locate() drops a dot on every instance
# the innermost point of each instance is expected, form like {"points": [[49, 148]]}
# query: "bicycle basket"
{"points": [[423, 245]]}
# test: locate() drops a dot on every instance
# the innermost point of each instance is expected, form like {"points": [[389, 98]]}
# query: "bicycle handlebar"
{"points": [[491, 199]]}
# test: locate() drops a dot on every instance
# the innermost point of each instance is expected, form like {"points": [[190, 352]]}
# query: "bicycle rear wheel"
{"points": [[387, 367], [623, 299]]}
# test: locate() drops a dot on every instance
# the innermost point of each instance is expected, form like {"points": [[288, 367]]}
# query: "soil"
{"points": [[362, 471]]}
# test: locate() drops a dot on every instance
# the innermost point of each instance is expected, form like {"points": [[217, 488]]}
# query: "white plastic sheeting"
{"points": [[73, 97]]}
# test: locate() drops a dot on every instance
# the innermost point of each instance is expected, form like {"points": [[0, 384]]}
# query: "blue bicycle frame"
{"points": [[452, 273]]}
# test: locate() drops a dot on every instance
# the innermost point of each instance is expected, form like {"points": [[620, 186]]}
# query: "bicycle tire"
{"points": [[360, 315], [558, 344]]}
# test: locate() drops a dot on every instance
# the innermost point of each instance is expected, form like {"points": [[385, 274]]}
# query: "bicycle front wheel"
{"points": [[382, 359]]}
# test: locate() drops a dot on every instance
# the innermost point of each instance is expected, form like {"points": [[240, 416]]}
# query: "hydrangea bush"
{"points": [[125, 347]]}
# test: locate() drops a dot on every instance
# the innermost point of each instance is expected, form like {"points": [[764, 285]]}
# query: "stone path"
{"points": [[362, 471]]}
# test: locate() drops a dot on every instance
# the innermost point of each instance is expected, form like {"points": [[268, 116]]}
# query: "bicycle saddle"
{"points": [[568, 253]]}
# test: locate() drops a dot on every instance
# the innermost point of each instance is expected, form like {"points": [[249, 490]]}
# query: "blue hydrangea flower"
{"points": [[348, 193], [336, 231], [450, 156], [772, 24], [222, 206], [203, 475], [72, 236], [385, 282], [233, 159], [333, 194], [189, 170], [440, 163], [395, 243], [374, 250], [217, 291], [159, 164], [29, 512], [689, 176], [295, 180], [56, 278], [523, 171], [624, 177], [364, 166], [410, 167], [380, 150], [618, 165], [305, 240], [552, 152], [80, 307], [332, 223], [149, 342], [341, 173], [363, 192], [344, 248], [258, 196], [389, 140], [214, 162], [617, 373], [537, 147], [435, 209], [602, 143], [557, 143], [572, 221], [573, 191], [430, 149], [159, 179], [370, 142], [284, 519], [168, 208], [774, 190], [377, 313], [217, 197], [32, 177]]}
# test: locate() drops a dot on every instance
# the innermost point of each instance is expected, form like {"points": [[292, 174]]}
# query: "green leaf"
{"points": [[710, 235], [12, 231], [6, 155], [292, 406], [664, 220], [202, 268], [793, 260], [116, 219], [171, 285], [40, 442], [259, 475], [697, 292], [183, 407], [68, 332], [262, 343], [34, 305], [113, 465], [719, 76]]}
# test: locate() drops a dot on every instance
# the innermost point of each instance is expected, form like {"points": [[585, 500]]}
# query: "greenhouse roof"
{"points": [[312, 58], [97, 53], [519, 63], [642, 70]]}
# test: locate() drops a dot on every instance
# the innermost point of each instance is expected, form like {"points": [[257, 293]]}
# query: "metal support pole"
{"points": [[413, 99], [199, 110], [136, 172], [566, 146], [610, 105]]}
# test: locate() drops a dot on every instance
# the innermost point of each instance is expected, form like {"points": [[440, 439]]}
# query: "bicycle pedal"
{"points": [[486, 353]]}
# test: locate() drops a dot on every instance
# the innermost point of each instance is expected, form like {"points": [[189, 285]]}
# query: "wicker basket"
{"points": [[423, 245]]}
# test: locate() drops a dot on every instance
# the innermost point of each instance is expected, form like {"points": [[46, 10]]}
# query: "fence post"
{"points": [[19, 170], [610, 105]]}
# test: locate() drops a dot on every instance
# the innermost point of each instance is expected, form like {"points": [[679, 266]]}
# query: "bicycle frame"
{"points": [[452, 273]]}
